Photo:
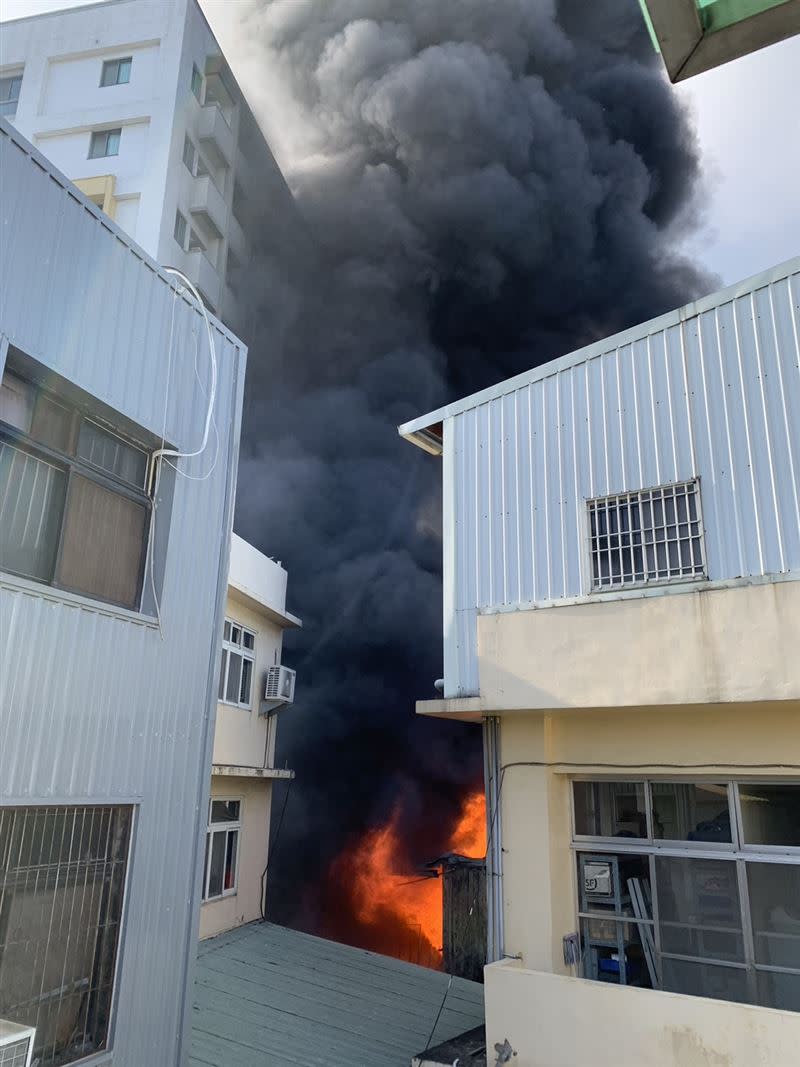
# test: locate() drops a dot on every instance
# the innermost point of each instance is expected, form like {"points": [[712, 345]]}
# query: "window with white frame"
{"points": [[116, 72], [9, 94], [650, 535], [189, 154], [62, 893], [238, 664], [222, 848], [180, 230], [691, 886], [104, 143]]}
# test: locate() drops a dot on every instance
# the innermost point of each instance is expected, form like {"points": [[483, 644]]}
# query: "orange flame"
{"points": [[402, 906]]}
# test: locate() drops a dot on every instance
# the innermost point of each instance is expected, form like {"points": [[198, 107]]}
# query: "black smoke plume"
{"points": [[485, 184]]}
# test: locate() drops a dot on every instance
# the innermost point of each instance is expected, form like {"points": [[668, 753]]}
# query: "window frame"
{"points": [[108, 64], [228, 646], [131, 805], [196, 83], [224, 828], [93, 139], [185, 226], [11, 78], [737, 853], [75, 465], [592, 586]]}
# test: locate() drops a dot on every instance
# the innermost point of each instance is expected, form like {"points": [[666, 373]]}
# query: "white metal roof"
{"points": [[418, 430]]}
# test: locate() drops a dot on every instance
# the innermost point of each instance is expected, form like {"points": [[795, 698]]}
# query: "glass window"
{"points": [[188, 154], [31, 508], [179, 233], [775, 913], [63, 522], [691, 811], [109, 452], [9, 95], [224, 811], [104, 143], [698, 907], [17, 399], [197, 82], [779, 990], [103, 543], [67, 864], [770, 814], [705, 980], [610, 809], [222, 846], [116, 72], [237, 666]]}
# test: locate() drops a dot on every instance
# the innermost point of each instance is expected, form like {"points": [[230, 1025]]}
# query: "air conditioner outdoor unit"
{"points": [[280, 686], [16, 1044]]}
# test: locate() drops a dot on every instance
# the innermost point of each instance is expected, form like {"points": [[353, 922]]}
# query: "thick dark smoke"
{"points": [[485, 184]]}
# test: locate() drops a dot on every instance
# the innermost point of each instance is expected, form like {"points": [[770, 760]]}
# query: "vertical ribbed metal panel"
{"points": [[711, 391], [94, 702]]}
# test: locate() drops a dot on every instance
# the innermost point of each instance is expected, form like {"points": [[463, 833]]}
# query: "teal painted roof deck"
{"points": [[266, 996]]}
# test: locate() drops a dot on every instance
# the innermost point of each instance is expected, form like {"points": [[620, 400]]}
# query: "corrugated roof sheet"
{"points": [[265, 995]]}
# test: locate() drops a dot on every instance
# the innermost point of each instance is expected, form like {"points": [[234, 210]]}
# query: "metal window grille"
{"points": [[647, 536], [62, 884], [15, 1055]]}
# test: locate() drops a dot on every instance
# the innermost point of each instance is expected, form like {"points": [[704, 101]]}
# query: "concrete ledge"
{"points": [[551, 1020], [464, 709]]}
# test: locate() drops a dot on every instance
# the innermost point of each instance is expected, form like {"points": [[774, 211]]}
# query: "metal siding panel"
{"points": [[541, 521], [484, 525], [615, 458], [496, 527], [524, 531], [770, 309], [570, 488], [510, 449], [94, 703]]}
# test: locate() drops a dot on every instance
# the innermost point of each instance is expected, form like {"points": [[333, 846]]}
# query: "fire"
{"points": [[399, 910]]}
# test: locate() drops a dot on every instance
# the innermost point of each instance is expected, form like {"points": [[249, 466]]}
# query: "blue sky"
{"points": [[748, 127]]}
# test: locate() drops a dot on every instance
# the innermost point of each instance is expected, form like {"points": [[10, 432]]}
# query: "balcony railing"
{"points": [[209, 205], [215, 135]]}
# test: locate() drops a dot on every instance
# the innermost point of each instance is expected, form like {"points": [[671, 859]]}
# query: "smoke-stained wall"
{"points": [[484, 187]]}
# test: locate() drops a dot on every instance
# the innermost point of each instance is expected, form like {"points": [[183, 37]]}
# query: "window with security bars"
{"points": [[62, 888], [650, 535]]}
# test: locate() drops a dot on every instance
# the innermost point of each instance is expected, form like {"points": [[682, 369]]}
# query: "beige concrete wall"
{"points": [[242, 737], [555, 1021], [243, 906], [539, 882], [710, 646]]}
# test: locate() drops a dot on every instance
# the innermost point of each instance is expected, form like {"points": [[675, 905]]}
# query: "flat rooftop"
{"points": [[266, 996]]}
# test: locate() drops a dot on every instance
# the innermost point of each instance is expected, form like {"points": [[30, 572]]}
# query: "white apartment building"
{"points": [[253, 688], [134, 102]]}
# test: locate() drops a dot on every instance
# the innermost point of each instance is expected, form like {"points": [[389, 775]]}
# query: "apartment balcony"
{"points": [[209, 205], [216, 136], [203, 273]]}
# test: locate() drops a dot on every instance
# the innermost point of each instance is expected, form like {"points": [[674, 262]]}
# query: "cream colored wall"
{"points": [[553, 1021], [711, 646], [242, 737], [244, 905], [539, 882]]}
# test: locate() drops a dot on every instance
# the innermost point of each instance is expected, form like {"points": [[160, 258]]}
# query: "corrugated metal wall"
{"points": [[93, 702], [713, 393]]}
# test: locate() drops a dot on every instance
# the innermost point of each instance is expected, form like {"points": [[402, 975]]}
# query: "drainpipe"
{"points": [[494, 834]]}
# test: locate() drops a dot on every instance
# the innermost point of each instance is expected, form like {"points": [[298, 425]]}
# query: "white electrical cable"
{"points": [[213, 394], [163, 452]]}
